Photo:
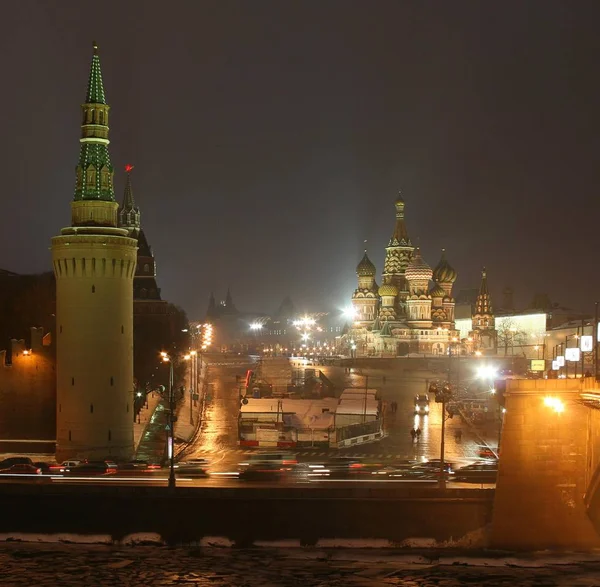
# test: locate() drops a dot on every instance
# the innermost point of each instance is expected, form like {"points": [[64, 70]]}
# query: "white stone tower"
{"points": [[94, 264]]}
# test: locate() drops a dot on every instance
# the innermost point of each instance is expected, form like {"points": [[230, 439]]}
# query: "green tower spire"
{"points": [[95, 90], [94, 171]]}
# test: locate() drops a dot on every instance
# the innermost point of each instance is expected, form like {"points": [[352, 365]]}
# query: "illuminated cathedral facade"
{"points": [[412, 311]]}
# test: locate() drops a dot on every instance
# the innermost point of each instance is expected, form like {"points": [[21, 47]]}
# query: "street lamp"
{"points": [[171, 438], [442, 396], [555, 404]]}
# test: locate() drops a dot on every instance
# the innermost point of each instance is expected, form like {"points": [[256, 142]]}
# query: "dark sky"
{"points": [[270, 138]]}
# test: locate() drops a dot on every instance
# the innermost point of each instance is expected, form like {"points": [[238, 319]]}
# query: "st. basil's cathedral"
{"points": [[412, 311]]}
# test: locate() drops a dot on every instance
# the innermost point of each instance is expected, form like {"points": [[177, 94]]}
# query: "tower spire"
{"points": [[483, 304], [95, 89], [129, 214], [94, 170], [400, 234]]}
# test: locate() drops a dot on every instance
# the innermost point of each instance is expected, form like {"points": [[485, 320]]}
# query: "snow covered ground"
{"points": [[216, 564]]}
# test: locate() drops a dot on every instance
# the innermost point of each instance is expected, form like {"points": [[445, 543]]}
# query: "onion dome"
{"points": [[417, 269], [437, 292], [365, 268], [444, 272], [388, 289]]}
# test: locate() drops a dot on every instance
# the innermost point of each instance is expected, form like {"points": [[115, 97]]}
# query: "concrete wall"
{"points": [[28, 396], [547, 459], [246, 514]]}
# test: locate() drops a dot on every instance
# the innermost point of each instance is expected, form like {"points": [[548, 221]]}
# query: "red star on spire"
{"points": [[128, 168]]}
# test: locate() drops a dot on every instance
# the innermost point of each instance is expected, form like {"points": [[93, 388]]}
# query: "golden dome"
{"points": [[388, 289], [444, 272], [437, 292], [365, 268], [418, 269]]}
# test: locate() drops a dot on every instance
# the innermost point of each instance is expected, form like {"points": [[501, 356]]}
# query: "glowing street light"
{"points": [[555, 404], [486, 372], [349, 313], [256, 326]]}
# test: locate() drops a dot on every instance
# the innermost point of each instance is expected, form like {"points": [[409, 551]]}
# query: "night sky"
{"points": [[270, 139]]}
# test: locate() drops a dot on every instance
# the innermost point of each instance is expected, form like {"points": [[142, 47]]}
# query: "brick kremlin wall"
{"points": [[28, 395]]}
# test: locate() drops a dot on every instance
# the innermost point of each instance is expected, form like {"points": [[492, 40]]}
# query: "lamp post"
{"points": [[193, 358], [171, 437]]}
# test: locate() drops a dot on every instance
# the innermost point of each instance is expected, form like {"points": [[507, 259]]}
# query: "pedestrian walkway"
{"points": [[144, 416], [153, 443]]}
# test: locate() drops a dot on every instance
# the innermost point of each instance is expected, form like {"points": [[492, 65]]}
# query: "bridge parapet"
{"points": [[549, 452]]}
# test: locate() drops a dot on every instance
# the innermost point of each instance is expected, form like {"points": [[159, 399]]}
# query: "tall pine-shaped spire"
{"points": [[95, 90], [94, 170]]}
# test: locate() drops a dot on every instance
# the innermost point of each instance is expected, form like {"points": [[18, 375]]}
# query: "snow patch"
{"points": [[56, 538]]}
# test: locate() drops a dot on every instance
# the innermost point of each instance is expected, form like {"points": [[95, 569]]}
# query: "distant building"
{"points": [[522, 333]]}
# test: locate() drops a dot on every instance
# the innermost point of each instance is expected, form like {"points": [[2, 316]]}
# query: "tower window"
{"points": [[146, 268], [109, 435], [93, 289], [91, 408], [69, 435], [128, 408], [112, 381], [60, 329], [60, 408], [122, 329], [72, 380]]}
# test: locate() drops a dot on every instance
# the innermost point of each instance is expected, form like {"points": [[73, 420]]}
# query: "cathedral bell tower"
{"points": [[398, 254], [94, 263], [484, 323]]}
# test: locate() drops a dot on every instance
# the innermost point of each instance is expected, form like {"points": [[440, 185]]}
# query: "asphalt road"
{"points": [[218, 439]]}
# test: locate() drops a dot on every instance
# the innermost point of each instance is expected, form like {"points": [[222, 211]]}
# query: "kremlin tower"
{"points": [[148, 306], [94, 264]]}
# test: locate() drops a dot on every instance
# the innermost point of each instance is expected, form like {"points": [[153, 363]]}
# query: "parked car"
{"points": [[192, 468], [267, 471], [485, 472], [9, 462], [44, 467], [485, 452], [62, 467], [92, 469], [21, 469]]}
